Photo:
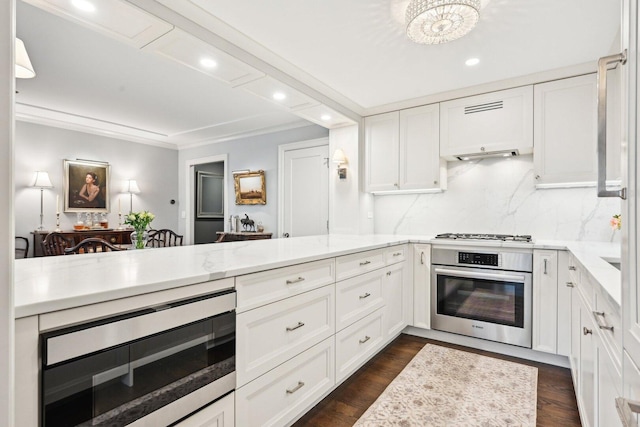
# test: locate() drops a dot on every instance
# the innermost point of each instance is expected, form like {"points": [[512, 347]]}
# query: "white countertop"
{"points": [[55, 283]]}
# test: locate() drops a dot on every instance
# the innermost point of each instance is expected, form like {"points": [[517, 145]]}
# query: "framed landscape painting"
{"points": [[250, 188], [86, 186]]}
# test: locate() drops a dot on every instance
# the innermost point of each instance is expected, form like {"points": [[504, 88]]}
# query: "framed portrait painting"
{"points": [[86, 186], [250, 188]]}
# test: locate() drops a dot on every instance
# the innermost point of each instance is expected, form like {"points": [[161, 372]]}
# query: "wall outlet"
{"points": [[369, 215]]}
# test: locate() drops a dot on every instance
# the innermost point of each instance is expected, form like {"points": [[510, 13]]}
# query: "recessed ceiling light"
{"points": [[279, 96], [325, 117], [208, 63], [83, 5], [471, 62]]}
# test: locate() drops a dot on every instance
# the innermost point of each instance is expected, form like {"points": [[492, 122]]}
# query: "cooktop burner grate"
{"points": [[473, 236]]}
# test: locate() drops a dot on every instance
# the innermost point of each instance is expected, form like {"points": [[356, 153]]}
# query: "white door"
{"points": [[305, 192]]}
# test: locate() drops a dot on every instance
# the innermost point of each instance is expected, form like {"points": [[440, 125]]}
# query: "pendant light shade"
{"points": [[441, 21], [24, 69]]}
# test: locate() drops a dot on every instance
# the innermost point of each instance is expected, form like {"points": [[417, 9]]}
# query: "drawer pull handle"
{"points": [[296, 388], [572, 267], [397, 254], [570, 285], [292, 281], [366, 338], [422, 257], [293, 328], [586, 331], [365, 263], [626, 408], [598, 314], [545, 266], [366, 295]]}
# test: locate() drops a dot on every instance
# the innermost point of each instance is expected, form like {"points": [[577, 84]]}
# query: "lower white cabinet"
{"points": [[545, 300], [586, 393], [287, 391], [220, 413], [609, 387], [271, 334], [397, 294], [357, 343], [422, 286], [358, 296]]}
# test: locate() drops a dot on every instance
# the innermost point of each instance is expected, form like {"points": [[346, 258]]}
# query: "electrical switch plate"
{"points": [[369, 215]]}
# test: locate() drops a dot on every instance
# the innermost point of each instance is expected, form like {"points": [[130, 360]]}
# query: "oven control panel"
{"points": [[479, 259]]}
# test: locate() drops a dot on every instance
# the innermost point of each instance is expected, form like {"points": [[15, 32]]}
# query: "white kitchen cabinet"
{"points": [[565, 130], [357, 297], [221, 413], [402, 151], [495, 121], [422, 286], [545, 300], [565, 297], [269, 335], [287, 391], [609, 386], [397, 295], [586, 394]]}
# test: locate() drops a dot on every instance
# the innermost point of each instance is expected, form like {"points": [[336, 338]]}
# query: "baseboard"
{"points": [[495, 347]]}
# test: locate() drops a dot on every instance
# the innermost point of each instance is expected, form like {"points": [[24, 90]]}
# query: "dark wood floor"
{"points": [[556, 398]]}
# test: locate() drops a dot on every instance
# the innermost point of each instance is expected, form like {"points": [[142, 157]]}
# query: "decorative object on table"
{"points": [[139, 221], [132, 188], [86, 186], [616, 222], [210, 195], [248, 224], [260, 227], [79, 224], [250, 188], [41, 181]]}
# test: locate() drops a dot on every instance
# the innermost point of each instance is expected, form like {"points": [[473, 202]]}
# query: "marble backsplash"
{"points": [[499, 196]]}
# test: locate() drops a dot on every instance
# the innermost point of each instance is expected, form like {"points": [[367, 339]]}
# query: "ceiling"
{"points": [[350, 57]]}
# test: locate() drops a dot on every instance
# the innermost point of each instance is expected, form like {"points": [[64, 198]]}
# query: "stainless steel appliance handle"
{"points": [[78, 343], [480, 275], [603, 66]]}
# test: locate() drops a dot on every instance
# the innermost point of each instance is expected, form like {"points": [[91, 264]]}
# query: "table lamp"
{"points": [[41, 181]]}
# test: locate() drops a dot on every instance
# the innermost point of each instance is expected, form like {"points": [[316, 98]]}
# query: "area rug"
{"points": [[446, 387]]}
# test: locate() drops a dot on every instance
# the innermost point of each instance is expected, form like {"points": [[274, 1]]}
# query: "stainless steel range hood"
{"points": [[484, 155]]}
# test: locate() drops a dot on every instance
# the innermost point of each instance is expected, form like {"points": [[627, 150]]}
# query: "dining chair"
{"points": [[21, 247], [91, 245], [163, 238], [54, 244]]}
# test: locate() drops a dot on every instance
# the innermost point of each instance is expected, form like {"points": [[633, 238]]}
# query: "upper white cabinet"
{"points": [[496, 121], [402, 151], [565, 130]]}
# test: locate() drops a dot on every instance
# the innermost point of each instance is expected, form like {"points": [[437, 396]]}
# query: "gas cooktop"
{"points": [[474, 236]]}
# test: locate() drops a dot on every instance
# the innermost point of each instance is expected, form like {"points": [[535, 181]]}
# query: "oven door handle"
{"points": [[480, 275]]}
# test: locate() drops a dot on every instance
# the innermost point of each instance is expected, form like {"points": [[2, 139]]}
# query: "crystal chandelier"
{"points": [[440, 21]]}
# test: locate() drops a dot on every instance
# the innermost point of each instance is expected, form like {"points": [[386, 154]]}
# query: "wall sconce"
{"points": [[131, 188], [24, 69], [41, 180], [341, 160]]}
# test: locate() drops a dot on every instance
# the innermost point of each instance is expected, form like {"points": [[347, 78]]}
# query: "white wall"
{"points": [[254, 153], [44, 148], [499, 196]]}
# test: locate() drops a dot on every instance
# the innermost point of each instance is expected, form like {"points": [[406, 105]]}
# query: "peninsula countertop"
{"points": [[55, 283]]}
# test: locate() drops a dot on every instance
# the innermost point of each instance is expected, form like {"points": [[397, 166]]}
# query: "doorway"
{"points": [[204, 217], [304, 188]]}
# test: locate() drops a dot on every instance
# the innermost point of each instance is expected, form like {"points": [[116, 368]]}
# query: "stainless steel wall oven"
{"points": [[482, 292], [149, 367]]}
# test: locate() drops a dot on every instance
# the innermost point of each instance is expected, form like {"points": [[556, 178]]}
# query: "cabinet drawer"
{"points": [[357, 343], [285, 393], [261, 288], [267, 336], [396, 254], [221, 413], [357, 297], [608, 317], [588, 289], [359, 263]]}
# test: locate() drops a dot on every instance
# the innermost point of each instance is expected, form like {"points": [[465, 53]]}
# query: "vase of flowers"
{"points": [[616, 222], [139, 221]]}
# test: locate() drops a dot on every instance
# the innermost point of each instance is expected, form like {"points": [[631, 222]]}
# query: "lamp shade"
{"points": [[132, 187], [24, 69], [339, 157], [41, 180]]}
